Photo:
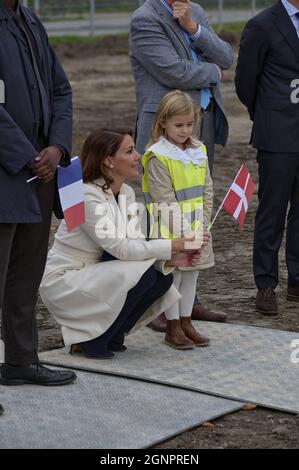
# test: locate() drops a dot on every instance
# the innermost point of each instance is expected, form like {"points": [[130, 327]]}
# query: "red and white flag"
{"points": [[239, 195]]}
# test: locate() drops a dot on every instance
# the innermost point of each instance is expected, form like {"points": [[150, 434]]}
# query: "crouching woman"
{"points": [[99, 279]]}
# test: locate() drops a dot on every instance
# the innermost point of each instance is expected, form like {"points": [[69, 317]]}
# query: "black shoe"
{"points": [[98, 355], [34, 374], [266, 303], [1, 410], [116, 347]]}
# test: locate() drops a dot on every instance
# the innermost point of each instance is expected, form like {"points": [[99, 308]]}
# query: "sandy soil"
{"points": [[104, 96]]}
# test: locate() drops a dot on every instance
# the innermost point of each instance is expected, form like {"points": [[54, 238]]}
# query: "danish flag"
{"points": [[239, 195]]}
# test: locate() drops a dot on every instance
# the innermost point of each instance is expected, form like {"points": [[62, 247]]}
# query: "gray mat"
{"points": [[243, 363], [102, 412]]}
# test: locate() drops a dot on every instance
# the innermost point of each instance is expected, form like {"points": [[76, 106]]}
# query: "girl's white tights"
{"points": [[185, 283]]}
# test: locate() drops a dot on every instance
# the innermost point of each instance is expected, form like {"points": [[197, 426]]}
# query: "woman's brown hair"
{"points": [[99, 145]]}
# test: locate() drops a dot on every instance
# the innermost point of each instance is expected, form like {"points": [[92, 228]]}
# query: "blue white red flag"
{"points": [[70, 188]]}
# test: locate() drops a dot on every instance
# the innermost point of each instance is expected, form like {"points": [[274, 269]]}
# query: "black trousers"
{"points": [[23, 255], [150, 287], [278, 186]]}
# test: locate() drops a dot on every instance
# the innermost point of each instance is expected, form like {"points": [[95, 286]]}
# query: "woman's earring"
{"points": [[111, 166]]}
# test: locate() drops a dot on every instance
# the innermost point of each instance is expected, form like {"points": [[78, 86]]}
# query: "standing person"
{"points": [[267, 72], [103, 277], [173, 46], [176, 175], [35, 135]]}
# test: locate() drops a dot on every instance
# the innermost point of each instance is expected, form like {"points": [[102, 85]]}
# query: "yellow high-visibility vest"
{"points": [[188, 181]]}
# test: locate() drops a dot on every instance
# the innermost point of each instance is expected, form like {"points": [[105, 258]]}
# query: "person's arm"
{"points": [[16, 150], [151, 46], [252, 54], [101, 226], [210, 47], [60, 134]]}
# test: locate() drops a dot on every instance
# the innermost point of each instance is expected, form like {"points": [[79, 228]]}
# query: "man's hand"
{"points": [[181, 12], [46, 163]]}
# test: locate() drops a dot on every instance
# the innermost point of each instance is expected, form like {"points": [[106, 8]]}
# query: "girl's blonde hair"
{"points": [[174, 103]]}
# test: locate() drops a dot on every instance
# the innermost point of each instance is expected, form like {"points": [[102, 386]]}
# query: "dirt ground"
{"points": [[104, 96]]}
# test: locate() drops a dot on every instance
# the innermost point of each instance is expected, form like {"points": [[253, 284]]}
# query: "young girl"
{"points": [[176, 176]]}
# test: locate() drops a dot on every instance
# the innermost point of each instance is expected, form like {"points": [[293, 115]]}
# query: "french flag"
{"points": [[70, 188]]}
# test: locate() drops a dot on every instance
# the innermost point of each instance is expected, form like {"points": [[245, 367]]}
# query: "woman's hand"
{"points": [[184, 259], [181, 245]]}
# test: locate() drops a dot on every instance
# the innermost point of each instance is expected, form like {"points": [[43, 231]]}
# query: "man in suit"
{"points": [[173, 46], [35, 135], [266, 77]]}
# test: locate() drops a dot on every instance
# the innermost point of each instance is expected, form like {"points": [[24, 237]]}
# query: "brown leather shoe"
{"points": [[159, 323], [266, 302], [175, 336], [192, 333], [202, 313], [293, 293]]}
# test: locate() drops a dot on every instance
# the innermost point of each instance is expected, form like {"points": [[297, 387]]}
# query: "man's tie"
{"points": [[205, 93]]}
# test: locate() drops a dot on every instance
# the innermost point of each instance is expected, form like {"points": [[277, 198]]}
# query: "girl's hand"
{"points": [[205, 238]]}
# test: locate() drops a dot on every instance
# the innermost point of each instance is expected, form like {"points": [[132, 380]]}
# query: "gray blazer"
{"points": [[161, 61]]}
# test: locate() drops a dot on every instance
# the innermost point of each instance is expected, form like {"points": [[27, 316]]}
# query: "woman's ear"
{"points": [[108, 162]]}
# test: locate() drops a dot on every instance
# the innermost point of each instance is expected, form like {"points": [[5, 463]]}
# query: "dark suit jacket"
{"points": [[268, 66], [19, 115]]}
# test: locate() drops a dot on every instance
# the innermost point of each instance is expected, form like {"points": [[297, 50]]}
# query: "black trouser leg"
{"points": [[162, 284], [292, 235], [277, 182], [29, 248], [7, 232], [149, 288]]}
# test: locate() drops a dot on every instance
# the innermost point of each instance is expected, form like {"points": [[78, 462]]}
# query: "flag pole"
{"points": [[221, 205], [216, 215]]}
